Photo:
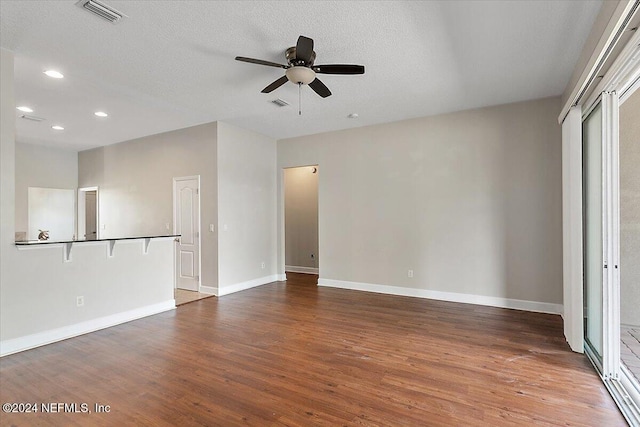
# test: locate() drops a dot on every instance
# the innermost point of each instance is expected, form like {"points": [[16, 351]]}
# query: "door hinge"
{"points": [[197, 191]]}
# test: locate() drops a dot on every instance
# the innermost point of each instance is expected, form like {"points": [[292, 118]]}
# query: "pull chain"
{"points": [[299, 99]]}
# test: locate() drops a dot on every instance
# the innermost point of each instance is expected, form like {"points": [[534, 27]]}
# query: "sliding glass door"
{"points": [[602, 232], [629, 184], [592, 223], [601, 235], [611, 227]]}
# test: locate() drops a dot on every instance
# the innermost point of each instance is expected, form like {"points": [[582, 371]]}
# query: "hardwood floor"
{"points": [[184, 297], [295, 354]]}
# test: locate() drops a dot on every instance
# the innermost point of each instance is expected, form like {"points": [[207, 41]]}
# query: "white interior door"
{"points": [[186, 203]]}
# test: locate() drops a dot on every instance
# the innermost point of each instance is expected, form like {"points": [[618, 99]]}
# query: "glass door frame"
{"points": [[609, 366], [614, 89]]}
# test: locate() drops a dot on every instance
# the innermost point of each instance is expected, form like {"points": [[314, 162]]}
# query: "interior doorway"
{"points": [[88, 213], [91, 215], [186, 223], [301, 219]]}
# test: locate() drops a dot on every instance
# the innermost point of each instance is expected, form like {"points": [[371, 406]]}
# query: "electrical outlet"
{"points": [[79, 301], [264, 265], [410, 273]]}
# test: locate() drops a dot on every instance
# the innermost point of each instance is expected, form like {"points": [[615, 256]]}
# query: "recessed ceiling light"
{"points": [[57, 127], [25, 109], [53, 73], [100, 114], [353, 116]]}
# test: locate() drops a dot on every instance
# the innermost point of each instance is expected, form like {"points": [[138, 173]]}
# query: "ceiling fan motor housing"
{"points": [[292, 59]]}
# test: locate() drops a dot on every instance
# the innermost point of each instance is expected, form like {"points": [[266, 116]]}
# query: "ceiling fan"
{"points": [[301, 69]]}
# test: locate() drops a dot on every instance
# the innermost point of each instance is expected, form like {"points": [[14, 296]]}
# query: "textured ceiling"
{"points": [[170, 64]]}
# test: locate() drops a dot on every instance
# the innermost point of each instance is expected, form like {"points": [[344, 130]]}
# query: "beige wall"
{"points": [[136, 185], [301, 216], [46, 167], [246, 207], [630, 210], [470, 201], [238, 190]]}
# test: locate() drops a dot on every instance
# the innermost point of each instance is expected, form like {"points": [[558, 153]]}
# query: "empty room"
{"points": [[381, 213]]}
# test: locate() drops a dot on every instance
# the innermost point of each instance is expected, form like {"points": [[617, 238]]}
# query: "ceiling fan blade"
{"points": [[338, 69], [304, 49], [320, 88], [275, 85], [260, 62]]}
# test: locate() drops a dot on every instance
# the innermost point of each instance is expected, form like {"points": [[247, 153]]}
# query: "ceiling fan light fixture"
{"points": [[300, 75]]}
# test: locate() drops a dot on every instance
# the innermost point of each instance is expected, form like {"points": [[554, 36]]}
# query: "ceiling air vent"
{"points": [[280, 102], [32, 118], [102, 10]]}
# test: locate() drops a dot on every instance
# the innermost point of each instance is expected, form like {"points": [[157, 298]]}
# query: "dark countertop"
{"points": [[52, 242]]}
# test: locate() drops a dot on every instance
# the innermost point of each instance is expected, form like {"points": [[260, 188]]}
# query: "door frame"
{"points": [[282, 276], [175, 230], [81, 226]]}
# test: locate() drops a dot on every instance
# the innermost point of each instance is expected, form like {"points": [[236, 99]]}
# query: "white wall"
{"points": [[136, 185], [246, 208], [51, 210], [301, 217], [46, 167], [38, 290], [470, 201], [630, 210]]}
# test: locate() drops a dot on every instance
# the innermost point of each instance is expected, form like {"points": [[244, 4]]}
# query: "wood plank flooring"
{"points": [[184, 297], [298, 355]]}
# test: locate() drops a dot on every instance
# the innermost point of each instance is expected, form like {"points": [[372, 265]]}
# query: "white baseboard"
{"points": [[303, 270], [282, 277], [209, 290], [27, 342], [237, 287], [541, 307]]}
